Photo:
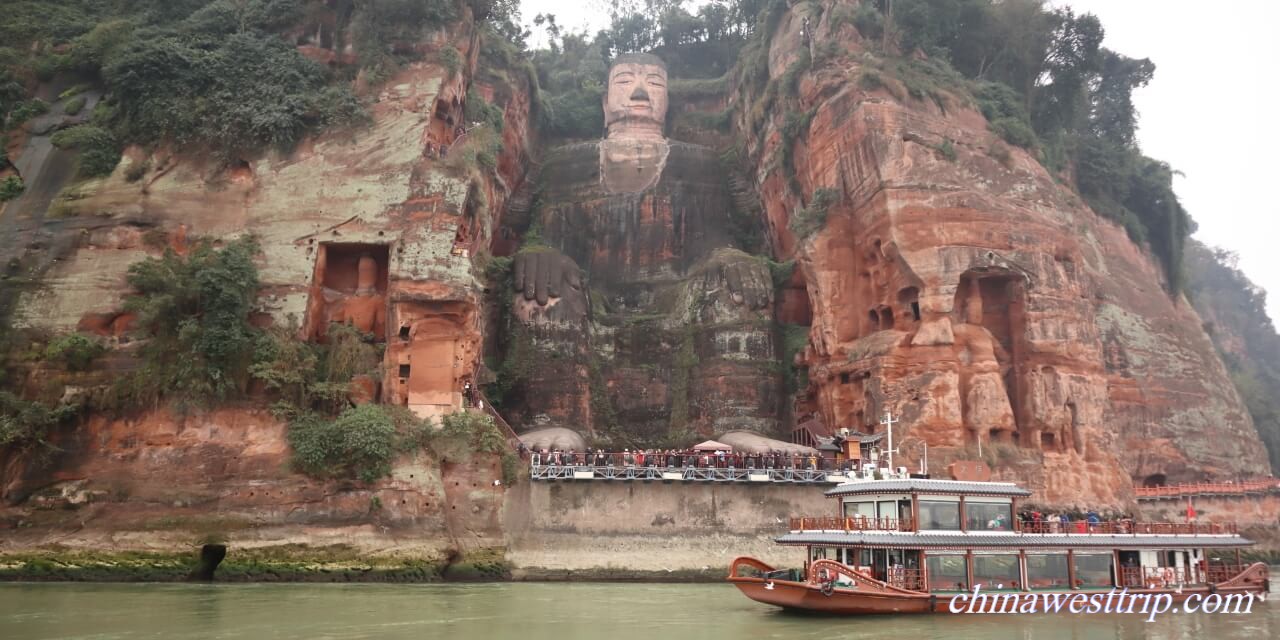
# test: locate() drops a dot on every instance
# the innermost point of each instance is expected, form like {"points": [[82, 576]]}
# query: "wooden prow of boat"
{"points": [[822, 591]]}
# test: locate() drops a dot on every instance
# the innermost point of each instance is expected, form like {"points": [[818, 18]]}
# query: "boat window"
{"points": [[867, 509], [1093, 570], [947, 573], [989, 517], [888, 509], [997, 571], [939, 515], [1047, 571]]}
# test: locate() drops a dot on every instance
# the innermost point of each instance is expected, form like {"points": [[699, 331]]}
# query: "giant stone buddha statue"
{"points": [[644, 315]]}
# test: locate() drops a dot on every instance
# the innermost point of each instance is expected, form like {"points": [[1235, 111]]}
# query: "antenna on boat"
{"points": [[888, 422]]}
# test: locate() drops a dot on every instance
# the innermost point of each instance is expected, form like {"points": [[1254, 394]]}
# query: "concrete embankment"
{"points": [[640, 530]]}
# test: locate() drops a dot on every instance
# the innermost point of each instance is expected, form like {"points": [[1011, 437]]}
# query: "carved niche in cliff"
{"points": [[349, 287], [644, 316]]}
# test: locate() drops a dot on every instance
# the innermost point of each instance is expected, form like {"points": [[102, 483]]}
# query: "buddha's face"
{"points": [[637, 98]]}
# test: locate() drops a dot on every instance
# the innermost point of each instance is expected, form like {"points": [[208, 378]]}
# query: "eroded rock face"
{"points": [[981, 301], [168, 479], [646, 318]]}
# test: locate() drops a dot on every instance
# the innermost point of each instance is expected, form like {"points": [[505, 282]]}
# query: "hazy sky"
{"points": [[1210, 111]]}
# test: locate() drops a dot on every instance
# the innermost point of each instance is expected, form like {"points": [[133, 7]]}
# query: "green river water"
{"points": [[528, 611]]}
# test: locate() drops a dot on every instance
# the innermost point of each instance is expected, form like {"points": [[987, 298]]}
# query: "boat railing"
{"points": [[1215, 573], [1159, 577], [1130, 527], [851, 523], [909, 579], [539, 471]]}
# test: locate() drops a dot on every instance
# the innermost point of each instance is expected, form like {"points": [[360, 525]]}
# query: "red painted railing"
{"points": [[851, 523], [1130, 527], [1209, 488], [1125, 527]]}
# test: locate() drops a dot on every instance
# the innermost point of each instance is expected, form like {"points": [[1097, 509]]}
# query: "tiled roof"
{"points": [[916, 485], [925, 540]]}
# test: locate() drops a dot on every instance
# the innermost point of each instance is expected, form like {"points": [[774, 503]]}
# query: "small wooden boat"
{"points": [[918, 545]]}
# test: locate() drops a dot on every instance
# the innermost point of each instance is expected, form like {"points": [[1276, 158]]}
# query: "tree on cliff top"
{"points": [[1235, 314]]}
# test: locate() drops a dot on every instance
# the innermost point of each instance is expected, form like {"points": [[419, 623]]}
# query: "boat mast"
{"points": [[888, 422]]}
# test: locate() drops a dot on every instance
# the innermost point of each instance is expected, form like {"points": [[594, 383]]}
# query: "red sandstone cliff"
{"points": [[974, 296], [956, 283]]}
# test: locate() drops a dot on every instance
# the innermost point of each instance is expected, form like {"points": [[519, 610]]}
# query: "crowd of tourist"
{"points": [[1074, 522], [677, 459]]}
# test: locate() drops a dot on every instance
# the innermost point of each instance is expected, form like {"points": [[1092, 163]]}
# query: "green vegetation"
{"points": [[360, 443], [99, 151], [74, 351], [195, 311], [795, 338], [1235, 314], [1043, 80], [25, 424], [811, 219], [74, 106], [11, 187], [211, 73]]}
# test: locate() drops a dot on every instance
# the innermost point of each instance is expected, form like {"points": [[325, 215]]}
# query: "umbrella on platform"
{"points": [[712, 445]]}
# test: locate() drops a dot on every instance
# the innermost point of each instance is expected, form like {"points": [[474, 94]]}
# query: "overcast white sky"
{"points": [[1210, 111]]}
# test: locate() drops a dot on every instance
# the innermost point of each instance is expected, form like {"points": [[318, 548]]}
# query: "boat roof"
{"points": [[1008, 540], [924, 485]]}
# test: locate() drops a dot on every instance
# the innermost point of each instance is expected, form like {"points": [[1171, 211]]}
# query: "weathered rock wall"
{"points": [[955, 283], [164, 481]]}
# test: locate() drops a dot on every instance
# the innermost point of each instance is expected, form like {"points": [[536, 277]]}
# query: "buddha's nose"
{"points": [[640, 93]]}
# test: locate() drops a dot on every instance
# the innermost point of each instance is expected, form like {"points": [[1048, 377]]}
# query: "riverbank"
{"points": [[333, 564], [285, 563]]}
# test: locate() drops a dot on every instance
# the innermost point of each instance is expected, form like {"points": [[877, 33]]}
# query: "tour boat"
{"points": [[913, 545]]}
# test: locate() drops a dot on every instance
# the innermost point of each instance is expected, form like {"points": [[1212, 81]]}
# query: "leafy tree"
{"points": [[24, 424], [194, 310], [1113, 115]]}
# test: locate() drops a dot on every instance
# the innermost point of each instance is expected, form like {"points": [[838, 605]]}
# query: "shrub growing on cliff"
{"points": [[195, 311], [813, 218], [10, 188], [24, 423], [360, 443], [74, 351], [99, 150]]}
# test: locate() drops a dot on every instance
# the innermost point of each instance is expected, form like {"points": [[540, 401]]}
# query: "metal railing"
{"points": [[1208, 488], [682, 474]]}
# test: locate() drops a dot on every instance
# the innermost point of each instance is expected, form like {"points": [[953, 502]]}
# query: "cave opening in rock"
{"points": [[1155, 480], [909, 298], [1047, 441], [886, 318]]}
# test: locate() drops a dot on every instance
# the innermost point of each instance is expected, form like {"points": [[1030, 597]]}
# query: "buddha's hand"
{"points": [[546, 275], [750, 283]]}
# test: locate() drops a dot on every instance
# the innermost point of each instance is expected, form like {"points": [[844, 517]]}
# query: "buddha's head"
{"points": [[635, 105], [367, 275]]}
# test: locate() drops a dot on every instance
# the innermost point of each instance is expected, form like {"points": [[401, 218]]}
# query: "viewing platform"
{"points": [[685, 474]]}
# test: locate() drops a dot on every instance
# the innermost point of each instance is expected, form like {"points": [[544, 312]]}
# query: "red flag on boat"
{"points": [[1191, 510]]}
